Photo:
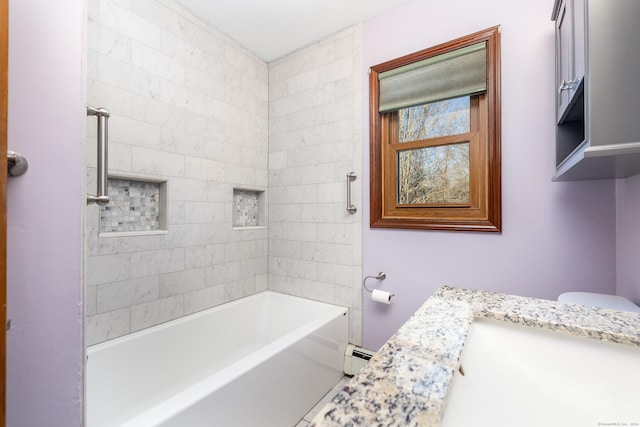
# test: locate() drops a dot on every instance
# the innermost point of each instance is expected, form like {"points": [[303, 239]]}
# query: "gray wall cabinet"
{"points": [[597, 89]]}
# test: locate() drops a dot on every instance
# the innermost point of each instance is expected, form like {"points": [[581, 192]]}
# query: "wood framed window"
{"points": [[435, 137]]}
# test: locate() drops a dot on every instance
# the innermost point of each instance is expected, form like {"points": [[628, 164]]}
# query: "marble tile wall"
{"points": [[315, 139], [190, 106]]}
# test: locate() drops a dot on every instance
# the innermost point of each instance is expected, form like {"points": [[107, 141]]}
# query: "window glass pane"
{"points": [[442, 118], [434, 175]]}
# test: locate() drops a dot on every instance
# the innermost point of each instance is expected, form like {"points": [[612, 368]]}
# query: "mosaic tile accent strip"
{"points": [[245, 208], [133, 206]]}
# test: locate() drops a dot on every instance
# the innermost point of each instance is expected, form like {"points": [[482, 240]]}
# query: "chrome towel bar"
{"points": [[102, 196]]}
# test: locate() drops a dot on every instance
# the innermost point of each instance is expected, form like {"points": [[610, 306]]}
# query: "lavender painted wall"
{"points": [[556, 236], [44, 236], [628, 238]]}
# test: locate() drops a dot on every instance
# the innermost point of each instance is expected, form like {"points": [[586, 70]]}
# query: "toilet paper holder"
{"points": [[380, 276]]}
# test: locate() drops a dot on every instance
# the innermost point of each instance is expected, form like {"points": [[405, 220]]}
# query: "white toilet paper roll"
{"points": [[381, 296]]}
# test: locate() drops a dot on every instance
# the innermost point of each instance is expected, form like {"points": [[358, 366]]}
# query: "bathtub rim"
{"points": [[264, 294]]}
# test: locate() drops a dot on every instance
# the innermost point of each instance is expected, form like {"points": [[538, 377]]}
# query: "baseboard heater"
{"points": [[355, 358]]}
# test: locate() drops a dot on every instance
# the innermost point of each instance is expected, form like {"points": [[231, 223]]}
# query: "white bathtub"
{"points": [[264, 360]]}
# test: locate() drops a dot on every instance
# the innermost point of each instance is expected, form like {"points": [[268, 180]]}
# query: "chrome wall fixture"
{"points": [[17, 164], [351, 176], [102, 196], [381, 276]]}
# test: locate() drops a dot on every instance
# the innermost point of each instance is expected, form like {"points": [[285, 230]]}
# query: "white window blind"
{"points": [[450, 75]]}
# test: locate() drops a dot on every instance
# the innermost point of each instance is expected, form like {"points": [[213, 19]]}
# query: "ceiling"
{"points": [[273, 28]]}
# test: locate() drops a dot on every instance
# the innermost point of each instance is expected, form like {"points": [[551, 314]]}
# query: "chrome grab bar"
{"points": [[351, 176], [102, 197]]}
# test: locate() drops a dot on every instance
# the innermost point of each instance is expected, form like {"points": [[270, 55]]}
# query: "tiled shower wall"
{"points": [[315, 139], [190, 106]]}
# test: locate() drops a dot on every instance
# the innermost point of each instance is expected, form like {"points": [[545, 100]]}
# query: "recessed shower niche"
{"points": [[136, 206], [248, 208]]}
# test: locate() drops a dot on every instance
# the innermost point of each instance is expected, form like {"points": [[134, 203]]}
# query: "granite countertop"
{"points": [[406, 382]]}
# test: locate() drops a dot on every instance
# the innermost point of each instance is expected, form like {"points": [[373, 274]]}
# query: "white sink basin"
{"points": [[525, 376]]}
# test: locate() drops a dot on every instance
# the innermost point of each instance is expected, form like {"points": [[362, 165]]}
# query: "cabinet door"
{"points": [[564, 66]]}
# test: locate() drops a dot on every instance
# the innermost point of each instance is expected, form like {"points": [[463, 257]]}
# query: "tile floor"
{"points": [[304, 422]]}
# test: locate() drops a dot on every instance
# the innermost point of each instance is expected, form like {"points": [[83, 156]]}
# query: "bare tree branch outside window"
{"points": [[437, 174]]}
